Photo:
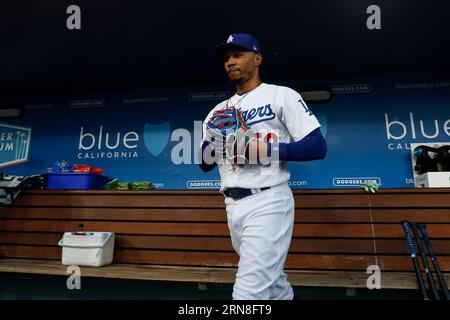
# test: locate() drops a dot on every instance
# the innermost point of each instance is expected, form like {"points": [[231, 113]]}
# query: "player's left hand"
{"points": [[237, 146], [257, 152]]}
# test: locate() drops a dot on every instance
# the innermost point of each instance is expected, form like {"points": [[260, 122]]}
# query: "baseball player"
{"points": [[259, 202]]}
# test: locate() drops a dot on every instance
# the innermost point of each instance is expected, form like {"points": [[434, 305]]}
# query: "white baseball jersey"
{"points": [[277, 113]]}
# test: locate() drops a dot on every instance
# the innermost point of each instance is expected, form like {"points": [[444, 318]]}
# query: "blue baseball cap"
{"points": [[244, 40]]}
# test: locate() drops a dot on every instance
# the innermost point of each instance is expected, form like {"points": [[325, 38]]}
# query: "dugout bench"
{"points": [[183, 235]]}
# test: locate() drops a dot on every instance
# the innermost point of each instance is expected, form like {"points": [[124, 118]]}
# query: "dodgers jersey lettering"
{"points": [[277, 114]]}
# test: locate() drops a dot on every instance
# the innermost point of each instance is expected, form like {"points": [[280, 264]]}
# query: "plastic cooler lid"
{"points": [[91, 234]]}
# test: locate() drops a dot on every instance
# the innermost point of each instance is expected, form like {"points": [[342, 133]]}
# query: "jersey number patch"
{"points": [[307, 110]]}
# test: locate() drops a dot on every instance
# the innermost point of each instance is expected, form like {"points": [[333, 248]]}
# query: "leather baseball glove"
{"points": [[230, 135]]}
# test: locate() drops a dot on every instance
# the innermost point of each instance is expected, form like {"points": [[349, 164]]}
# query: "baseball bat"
{"points": [[425, 261], [412, 251], [442, 282]]}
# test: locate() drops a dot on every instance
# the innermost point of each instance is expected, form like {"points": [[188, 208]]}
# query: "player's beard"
{"points": [[237, 80], [245, 74]]}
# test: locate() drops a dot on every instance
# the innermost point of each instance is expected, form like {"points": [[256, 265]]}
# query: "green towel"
{"points": [[115, 184]]}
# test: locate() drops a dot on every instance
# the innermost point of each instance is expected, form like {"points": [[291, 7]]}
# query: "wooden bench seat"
{"points": [[344, 279], [183, 235]]}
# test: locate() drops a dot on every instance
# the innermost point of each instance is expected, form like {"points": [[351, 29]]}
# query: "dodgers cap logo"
{"points": [[243, 40]]}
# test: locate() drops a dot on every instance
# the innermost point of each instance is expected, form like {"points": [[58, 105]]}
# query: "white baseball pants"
{"points": [[261, 231]]}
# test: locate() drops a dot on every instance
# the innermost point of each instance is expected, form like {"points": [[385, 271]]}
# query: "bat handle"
{"points": [[412, 248]]}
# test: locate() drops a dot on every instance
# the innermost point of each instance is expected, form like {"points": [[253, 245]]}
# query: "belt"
{"points": [[241, 193]]}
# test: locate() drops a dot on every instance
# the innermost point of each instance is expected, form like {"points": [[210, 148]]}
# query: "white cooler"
{"points": [[84, 248], [433, 180]]}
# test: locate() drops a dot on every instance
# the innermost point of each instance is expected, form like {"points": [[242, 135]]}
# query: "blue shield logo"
{"points": [[14, 144], [156, 137], [323, 123]]}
